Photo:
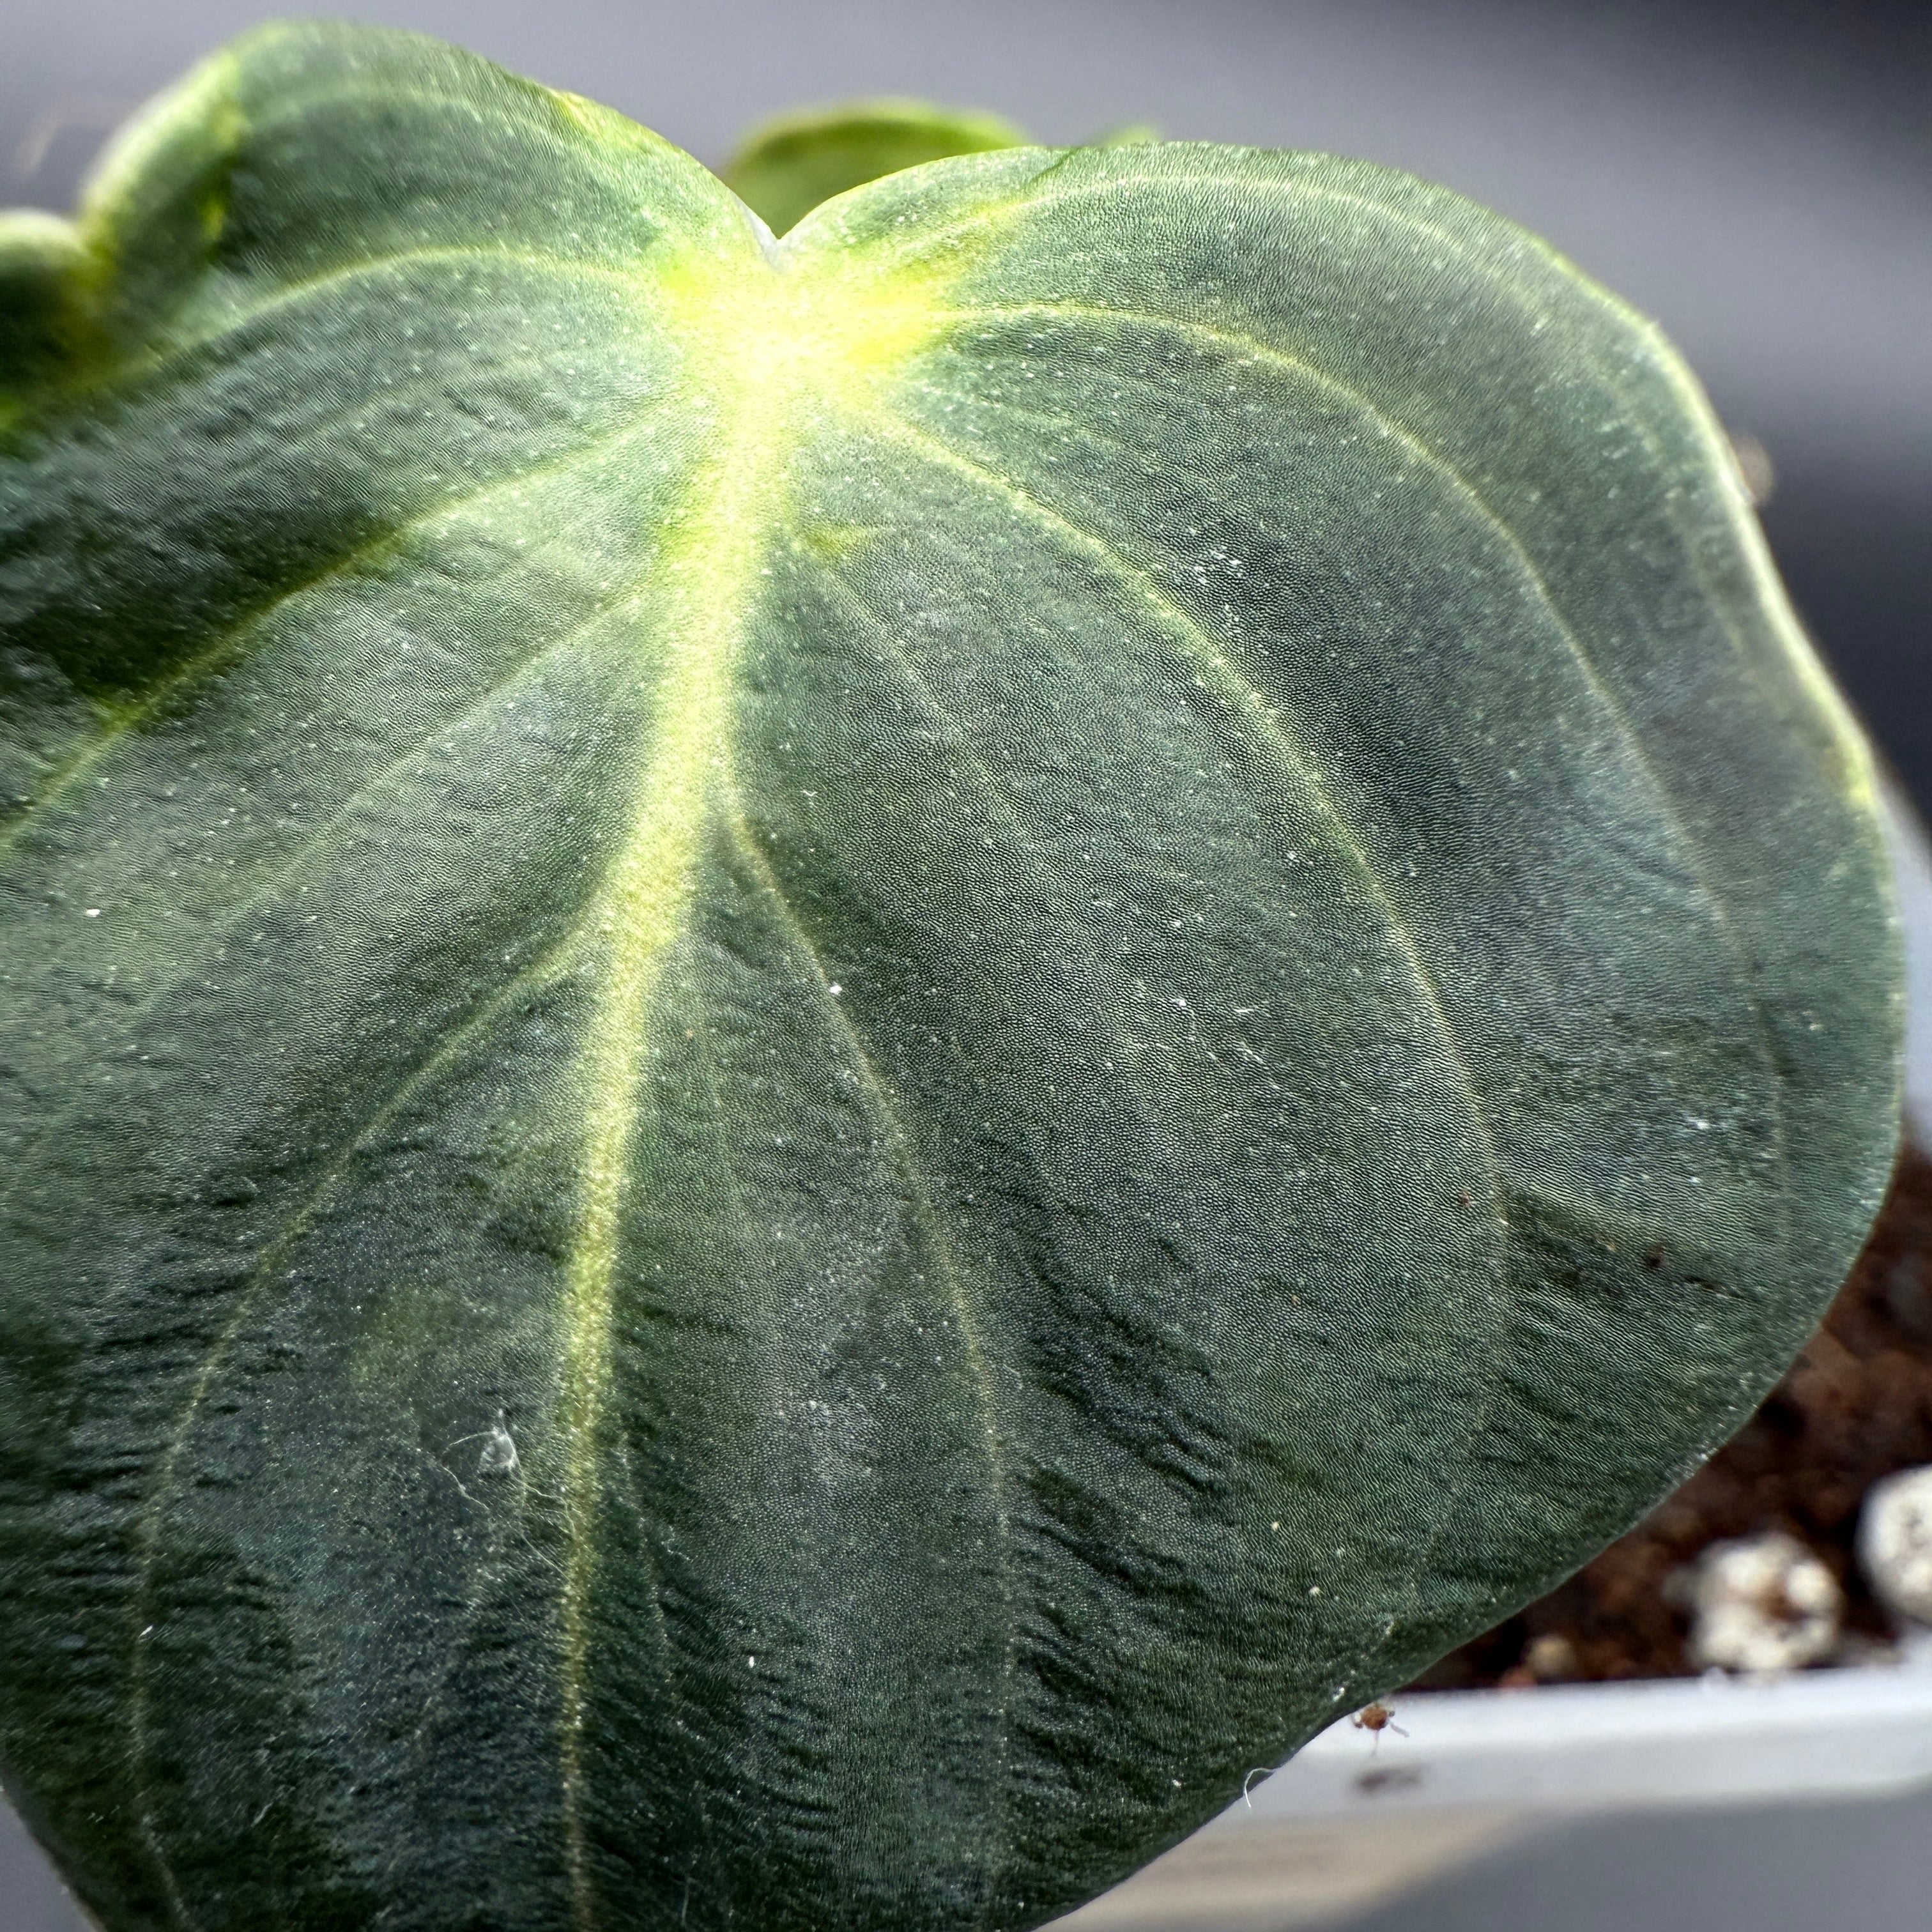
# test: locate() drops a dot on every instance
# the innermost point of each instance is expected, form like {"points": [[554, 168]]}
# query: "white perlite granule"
{"points": [[1895, 1542], [1762, 1604]]}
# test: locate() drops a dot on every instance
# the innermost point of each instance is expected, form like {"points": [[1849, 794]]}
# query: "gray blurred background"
{"points": [[1757, 174]]}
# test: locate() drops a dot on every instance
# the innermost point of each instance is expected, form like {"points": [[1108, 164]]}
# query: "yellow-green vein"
{"points": [[235, 910], [905, 1157], [765, 346], [706, 581], [290, 294], [1664, 358], [1209, 654], [223, 646], [1202, 646], [541, 972], [1251, 349]]}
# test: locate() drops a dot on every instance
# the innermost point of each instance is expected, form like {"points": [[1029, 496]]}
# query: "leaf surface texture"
{"points": [[825, 1063]]}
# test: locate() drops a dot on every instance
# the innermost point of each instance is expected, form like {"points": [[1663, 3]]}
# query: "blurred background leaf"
{"points": [[784, 168]]}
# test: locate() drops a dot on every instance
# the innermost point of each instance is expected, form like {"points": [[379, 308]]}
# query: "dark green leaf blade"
{"points": [[825, 1066]]}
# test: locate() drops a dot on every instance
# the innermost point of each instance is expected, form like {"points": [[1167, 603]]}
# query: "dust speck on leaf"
{"points": [[498, 1456]]}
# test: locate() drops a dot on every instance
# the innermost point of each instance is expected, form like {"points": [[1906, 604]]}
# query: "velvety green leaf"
{"points": [[825, 1064], [784, 168]]}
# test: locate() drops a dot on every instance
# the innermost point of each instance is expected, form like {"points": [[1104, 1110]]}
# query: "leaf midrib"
{"points": [[707, 580], [764, 343]]}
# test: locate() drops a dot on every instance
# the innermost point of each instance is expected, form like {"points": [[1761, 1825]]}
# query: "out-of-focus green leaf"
{"points": [[786, 168]]}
